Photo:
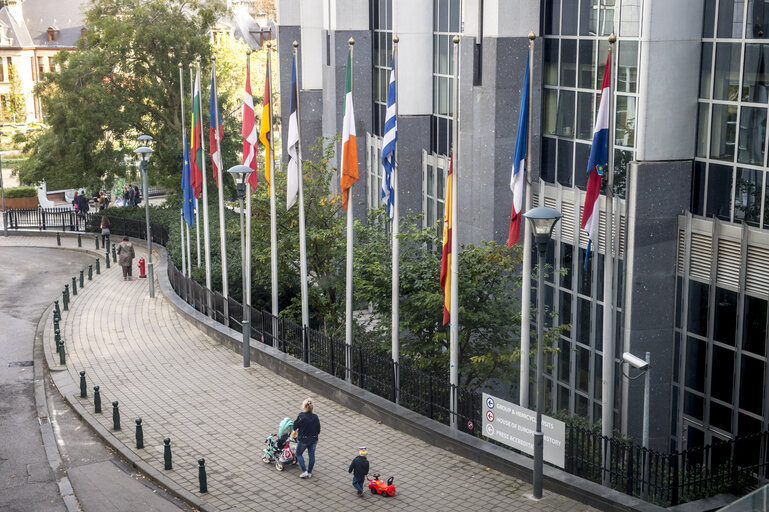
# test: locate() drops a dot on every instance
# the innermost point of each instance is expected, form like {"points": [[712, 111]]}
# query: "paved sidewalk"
{"points": [[185, 386]]}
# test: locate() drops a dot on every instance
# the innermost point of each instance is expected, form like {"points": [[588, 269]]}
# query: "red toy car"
{"points": [[379, 486]]}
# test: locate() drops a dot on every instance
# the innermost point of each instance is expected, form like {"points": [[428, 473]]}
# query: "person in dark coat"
{"points": [[126, 257], [359, 469], [307, 426]]}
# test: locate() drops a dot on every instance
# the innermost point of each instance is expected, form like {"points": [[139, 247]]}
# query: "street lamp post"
{"points": [[643, 366], [240, 174], [542, 221], [144, 152]]}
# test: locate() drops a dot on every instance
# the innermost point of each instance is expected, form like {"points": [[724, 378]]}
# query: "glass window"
{"points": [[584, 274], [720, 417], [606, 17], [565, 161], [730, 18], [566, 264], [569, 18], [565, 314], [587, 64], [598, 293], [625, 121], [702, 130], [622, 160], [706, 69], [694, 407], [585, 116], [752, 135], [552, 16], [563, 398], [549, 106], [677, 357], [597, 377], [583, 314], [679, 299], [548, 159], [754, 325], [752, 387], [588, 17], [698, 308], [627, 72], [698, 189], [758, 19], [755, 75], [747, 196], [726, 316], [630, 24], [708, 20], [748, 425], [568, 62], [603, 52], [551, 62], [722, 380], [726, 79], [722, 132], [564, 360], [583, 369], [580, 405], [719, 191], [581, 157]]}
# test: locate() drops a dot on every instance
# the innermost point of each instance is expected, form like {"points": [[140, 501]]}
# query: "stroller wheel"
{"points": [[266, 458], [279, 466]]}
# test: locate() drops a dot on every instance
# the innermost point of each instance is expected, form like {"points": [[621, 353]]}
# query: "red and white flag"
{"points": [[249, 133]]}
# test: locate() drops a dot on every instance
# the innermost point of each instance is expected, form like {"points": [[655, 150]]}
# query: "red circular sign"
{"points": [[489, 415], [469, 425]]}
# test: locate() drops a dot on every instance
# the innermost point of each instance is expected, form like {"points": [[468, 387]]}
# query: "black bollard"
{"points": [[96, 400], [96, 239], [98, 268], [79, 241], [139, 434], [65, 298], [58, 238], [114, 254], [82, 280], [57, 337], [74, 286], [202, 475], [90, 272], [56, 308], [167, 453], [83, 392], [62, 355], [115, 416], [107, 258]]}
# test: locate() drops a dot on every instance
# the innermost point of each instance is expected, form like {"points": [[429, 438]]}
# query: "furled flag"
{"points": [[265, 129], [196, 156], [446, 256], [249, 133], [214, 113], [349, 174], [388, 146], [293, 144], [599, 160], [519, 161], [188, 200]]}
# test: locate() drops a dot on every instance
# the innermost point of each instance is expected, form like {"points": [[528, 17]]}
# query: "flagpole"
{"points": [[197, 216], [202, 163], [302, 230], [348, 290], [220, 187], [454, 307], [396, 245], [273, 208], [526, 270], [607, 382], [247, 256], [181, 234], [184, 156]]}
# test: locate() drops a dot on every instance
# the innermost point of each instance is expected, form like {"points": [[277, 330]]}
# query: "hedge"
{"points": [[13, 192]]}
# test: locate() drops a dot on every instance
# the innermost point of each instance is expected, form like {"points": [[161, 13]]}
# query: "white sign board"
{"points": [[514, 426]]}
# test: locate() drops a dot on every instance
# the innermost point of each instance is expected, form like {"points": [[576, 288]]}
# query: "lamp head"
{"points": [[144, 153], [240, 174], [144, 139], [542, 220]]}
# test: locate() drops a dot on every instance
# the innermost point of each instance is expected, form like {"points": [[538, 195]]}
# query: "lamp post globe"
{"points": [[144, 152], [240, 174], [542, 220]]}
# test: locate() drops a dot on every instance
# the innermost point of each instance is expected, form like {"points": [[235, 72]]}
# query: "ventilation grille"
{"points": [[681, 251], [567, 223], [701, 257], [728, 273], [755, 276]]}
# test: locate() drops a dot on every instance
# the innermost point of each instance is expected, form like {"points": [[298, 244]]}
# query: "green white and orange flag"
{"points": [[349, 174], [446, 256]]}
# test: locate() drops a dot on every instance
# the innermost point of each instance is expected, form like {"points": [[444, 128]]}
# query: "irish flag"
{"points": [[446, 256], [349, 174]]}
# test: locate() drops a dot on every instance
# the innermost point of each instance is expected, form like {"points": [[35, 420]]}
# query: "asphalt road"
{"points": [[30, 279]]}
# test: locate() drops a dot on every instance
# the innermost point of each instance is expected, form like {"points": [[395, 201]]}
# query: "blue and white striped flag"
{"points": [[388, 149]]}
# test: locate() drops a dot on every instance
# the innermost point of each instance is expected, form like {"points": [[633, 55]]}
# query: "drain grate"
{"points": [[20, 363]]}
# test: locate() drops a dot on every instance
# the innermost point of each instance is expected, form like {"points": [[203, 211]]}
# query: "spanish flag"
{"points": [[349, 174], [446, 257]]}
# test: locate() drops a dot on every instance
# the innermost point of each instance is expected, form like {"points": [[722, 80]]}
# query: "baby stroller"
{"points": [[281, 447]]}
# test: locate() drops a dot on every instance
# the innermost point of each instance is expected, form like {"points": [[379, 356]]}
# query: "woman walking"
{"points": [[126, 257], [104, 230], [307, 425]]}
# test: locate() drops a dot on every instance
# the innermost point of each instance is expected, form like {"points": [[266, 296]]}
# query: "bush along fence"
{"points": [[666, 479]]}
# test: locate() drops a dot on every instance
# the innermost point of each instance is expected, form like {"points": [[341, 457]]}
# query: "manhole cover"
{"points": [[20, 363]]}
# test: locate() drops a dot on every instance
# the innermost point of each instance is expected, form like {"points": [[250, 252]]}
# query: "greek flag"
{"points": [[388, 150]]}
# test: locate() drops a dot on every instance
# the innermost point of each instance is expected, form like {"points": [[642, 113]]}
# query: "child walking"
{"points": [[359, 470]]}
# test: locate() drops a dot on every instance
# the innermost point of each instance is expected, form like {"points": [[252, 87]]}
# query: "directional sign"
{"points": [[514, 426]]}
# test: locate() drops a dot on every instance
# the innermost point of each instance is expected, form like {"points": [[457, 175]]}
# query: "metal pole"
{"points": [[246, 277], [396, 245], [206, 230], [526, 270], [181, 234], [348, 288], [219, 178], [150, 272], [197, 215], [2, 195], [538, 435], [186, 262], [454, 300], [645, 438], [607, 382], [302, 230], [246, 261], [273, 212]]}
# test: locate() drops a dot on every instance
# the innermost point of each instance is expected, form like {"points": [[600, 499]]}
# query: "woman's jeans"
{"points": [[357, 482], [309, 445]]}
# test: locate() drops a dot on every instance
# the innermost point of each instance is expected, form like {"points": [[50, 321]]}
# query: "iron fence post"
{"points": [[570, 450], [629, 473], [430, 394], [674, 490], [306, 344]]}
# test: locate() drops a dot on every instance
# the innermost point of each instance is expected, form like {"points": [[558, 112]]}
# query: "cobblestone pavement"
{"points": [[185, 386]]}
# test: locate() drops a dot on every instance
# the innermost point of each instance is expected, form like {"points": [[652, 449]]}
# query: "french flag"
{"points": [[599, 160], [519, 161]]}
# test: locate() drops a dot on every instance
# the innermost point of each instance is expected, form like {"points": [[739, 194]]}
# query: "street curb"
{"points": [[400, 418]]}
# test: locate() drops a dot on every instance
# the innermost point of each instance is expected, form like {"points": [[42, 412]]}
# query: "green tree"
{"points": [[122, 81], [16, 107]]}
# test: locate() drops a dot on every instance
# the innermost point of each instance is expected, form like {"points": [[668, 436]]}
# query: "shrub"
{"points": [[13, 192]]}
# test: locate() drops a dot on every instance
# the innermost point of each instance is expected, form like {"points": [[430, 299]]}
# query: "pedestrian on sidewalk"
{"points": [[307, 426], [359, 469], [104, 230], [126, 256]]}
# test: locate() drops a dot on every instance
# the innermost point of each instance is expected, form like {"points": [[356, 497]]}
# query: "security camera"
{"points": [[635, 362]]}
